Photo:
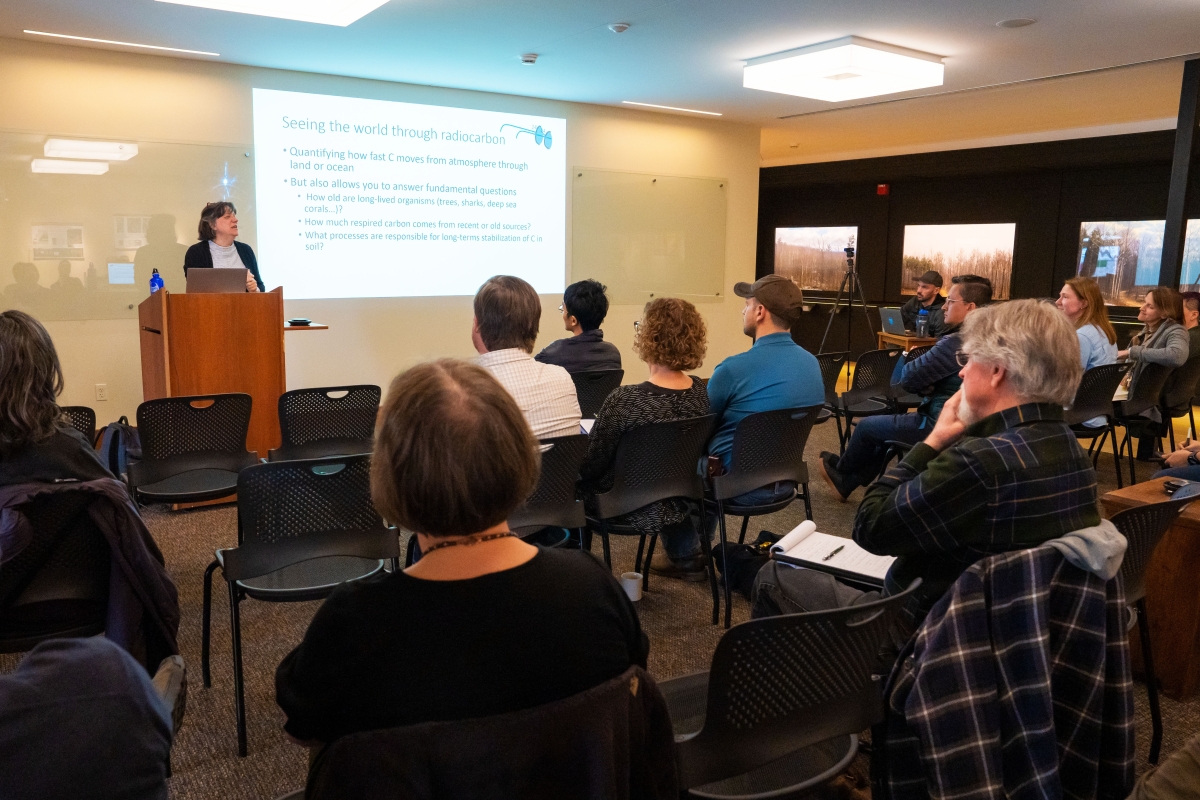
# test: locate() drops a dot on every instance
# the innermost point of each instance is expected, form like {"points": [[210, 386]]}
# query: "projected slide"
{"points": [[370, 198]]}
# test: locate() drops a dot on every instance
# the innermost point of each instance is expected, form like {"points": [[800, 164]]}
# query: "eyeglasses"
{"points": [[560, 308], [637, 323], [962, 357]]}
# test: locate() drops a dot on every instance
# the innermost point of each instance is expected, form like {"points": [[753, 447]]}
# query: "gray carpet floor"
{"points": [[676, 616]]}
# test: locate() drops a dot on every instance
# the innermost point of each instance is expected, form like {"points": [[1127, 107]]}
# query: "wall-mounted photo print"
{"points": [[1190, 275], [814, 258], [985, 250], [1124, 258]]}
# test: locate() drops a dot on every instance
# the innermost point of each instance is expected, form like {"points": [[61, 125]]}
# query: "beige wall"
{"points": [[67, 91], [1101, 103]]}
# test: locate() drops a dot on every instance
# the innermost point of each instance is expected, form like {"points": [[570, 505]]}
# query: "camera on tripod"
{"points": [[849, 251]]}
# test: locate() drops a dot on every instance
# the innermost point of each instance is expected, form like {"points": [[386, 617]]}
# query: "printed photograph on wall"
{"points": [[1190, 274], [985, 250], [814, 258], [1124, 257]]}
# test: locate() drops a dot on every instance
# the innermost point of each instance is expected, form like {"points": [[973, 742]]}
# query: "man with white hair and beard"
{"points": [[1000, 470]]}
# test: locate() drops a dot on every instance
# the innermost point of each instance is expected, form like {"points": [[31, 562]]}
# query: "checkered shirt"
{"points": [[544, 393], [1016, 686]]}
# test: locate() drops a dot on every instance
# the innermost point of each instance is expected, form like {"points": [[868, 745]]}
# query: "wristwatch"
{"points": [[1193, 460]]}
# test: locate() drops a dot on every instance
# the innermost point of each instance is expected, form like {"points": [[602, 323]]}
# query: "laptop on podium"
{"points": [[216, 281]]}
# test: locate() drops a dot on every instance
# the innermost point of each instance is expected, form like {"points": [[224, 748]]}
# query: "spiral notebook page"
{"points": [[822, 550]]}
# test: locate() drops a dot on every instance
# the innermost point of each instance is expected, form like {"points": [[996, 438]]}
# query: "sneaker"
{"points": [[842, 486], [691, 569]]}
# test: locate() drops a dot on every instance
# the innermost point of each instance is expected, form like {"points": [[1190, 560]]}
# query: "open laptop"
{"points": [[892, 321], [216, 281]]}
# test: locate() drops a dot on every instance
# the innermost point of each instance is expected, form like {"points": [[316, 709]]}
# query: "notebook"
{"points": [[805, 547]]}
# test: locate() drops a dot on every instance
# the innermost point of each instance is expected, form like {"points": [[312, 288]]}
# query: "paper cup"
{"points": [[631, 582]]}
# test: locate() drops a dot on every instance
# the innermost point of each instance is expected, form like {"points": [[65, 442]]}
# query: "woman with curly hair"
{"points": [[670, 338], [36, 445]]}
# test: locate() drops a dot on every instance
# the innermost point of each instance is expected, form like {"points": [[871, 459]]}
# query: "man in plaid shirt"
{"points": [[1000, 470]]}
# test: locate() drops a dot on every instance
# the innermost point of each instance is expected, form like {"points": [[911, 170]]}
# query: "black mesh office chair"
{"points": [[907, 401], [768, 447], [304, 528], [655, 462], [1177, 397], [1094, 400], [192, 448], [57, 586], [553, 503], [779, 712], [1143, 528], [82, 419], [593, 387], [831, 365], [1143, 395], [870, 390], [328, 421]]}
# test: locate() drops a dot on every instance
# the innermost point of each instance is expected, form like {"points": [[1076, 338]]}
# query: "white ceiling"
{"points": [[681, 52]]}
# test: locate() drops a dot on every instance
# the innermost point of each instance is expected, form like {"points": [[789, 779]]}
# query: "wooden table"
{"points": [[904, 341], [1172, 593]]}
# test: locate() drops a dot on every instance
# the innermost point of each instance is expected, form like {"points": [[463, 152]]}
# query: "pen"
{"points": [[836, 550]]}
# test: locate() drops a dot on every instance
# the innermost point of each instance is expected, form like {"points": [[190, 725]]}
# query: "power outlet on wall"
{"points": [[101, 391]]}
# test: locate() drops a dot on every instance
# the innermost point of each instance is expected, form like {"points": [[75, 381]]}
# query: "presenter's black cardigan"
{"points": [[198, 256]]}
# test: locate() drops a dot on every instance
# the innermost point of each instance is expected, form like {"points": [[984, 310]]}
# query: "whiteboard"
{"points": [[646, 235]]}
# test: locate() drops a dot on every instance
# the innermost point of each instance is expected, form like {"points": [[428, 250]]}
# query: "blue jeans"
{"points": [[682, 541], [1189, 473], [867, 447]]}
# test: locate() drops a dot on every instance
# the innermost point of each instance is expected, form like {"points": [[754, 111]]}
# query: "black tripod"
{"points": [[850, 287]]}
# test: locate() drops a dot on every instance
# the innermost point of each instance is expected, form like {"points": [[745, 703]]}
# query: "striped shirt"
{"points": [[544, 393], [1016, 479]]}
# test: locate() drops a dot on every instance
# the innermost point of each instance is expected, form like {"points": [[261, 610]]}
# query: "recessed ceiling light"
{"points": [[322, 12], [672, 108], [123, 44], [529, 59], [79, 148], [58, 167], [619, 27], [844, 69], [1019, 22]]}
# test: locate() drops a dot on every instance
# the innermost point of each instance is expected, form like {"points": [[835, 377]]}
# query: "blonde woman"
{"points": [[1081, 301]]}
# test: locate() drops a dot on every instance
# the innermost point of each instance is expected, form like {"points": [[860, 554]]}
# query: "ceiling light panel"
{"points": [[60, 167], [80, 148], [844, 69], [322, 12]]}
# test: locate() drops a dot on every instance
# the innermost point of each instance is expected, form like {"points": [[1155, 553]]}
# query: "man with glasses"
{"points": [[933, 375], [1000, 471], [584, 307]]}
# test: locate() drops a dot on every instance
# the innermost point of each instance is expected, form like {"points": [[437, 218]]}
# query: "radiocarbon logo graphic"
{"points": [[540, 135]]}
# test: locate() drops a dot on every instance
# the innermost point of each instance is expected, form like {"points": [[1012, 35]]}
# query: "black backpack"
{"points": [[120, 445]]}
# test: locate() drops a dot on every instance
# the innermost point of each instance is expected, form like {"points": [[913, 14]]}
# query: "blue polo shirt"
{"points": [[775, 373]]}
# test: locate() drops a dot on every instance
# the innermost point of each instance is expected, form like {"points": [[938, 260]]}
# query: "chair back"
{"points": [[82, 419], [593, 387], [612, 740], [917, 352], [289, 499], [180, 434], [1094, 397], [1146, 389], [657, 462], [1181, 388], [780, 684], [57, 586], [831, 369], [328, 421], [873, 371], [1143, 528], [553, 502], [767, 447]]}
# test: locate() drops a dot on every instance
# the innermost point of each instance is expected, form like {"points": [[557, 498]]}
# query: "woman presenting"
{"points": [[217, 248]]}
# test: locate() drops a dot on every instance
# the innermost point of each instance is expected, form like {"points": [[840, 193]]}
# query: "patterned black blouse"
{"points": [[630, 407]]}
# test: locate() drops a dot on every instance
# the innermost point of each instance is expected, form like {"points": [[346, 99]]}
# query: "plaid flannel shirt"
{"points": [[1017, 686], [1016, 479]]}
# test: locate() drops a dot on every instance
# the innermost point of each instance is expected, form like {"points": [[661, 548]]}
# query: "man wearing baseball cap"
{"points": [[774, 373], [928, 297]]}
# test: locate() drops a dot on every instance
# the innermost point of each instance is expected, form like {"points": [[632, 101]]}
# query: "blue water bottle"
{"points": [[156, 282], [923, 322]]}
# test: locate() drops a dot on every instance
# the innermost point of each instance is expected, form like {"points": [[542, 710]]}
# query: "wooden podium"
{"points": [[214, 343]]}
